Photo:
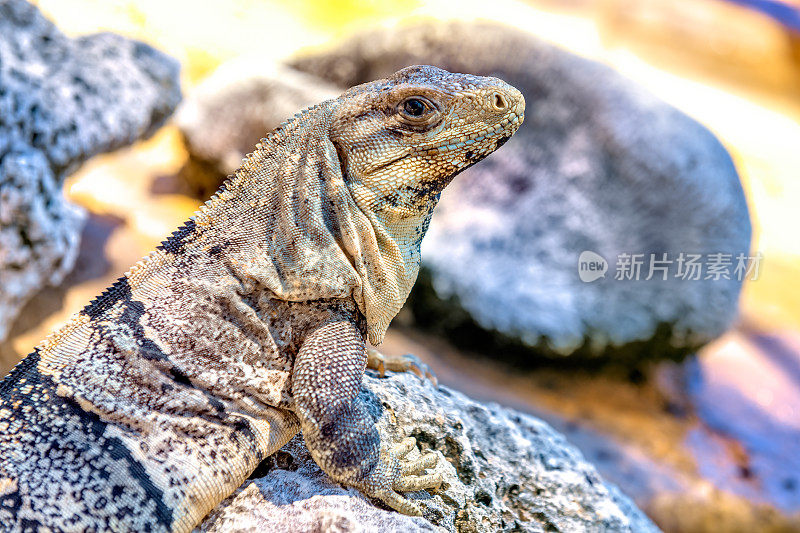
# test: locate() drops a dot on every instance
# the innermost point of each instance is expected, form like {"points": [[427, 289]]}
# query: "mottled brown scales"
{"points": [[249, 323]]}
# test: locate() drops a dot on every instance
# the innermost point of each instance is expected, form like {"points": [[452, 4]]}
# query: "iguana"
{"points": [[248, 324]]}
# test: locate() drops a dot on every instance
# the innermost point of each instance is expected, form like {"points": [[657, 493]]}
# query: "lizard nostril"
{"points": [[499, 102]]}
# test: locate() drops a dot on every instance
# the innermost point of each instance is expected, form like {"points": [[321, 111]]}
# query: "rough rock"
{"points": [[503, 471], [62, 100], [600, 165], [706, 445]]}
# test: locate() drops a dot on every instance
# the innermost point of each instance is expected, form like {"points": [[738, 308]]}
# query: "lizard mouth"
{"points": [[502, 131], [390, 162]]}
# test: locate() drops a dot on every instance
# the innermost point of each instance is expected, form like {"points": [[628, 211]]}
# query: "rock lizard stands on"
{"points": [[248, 324]]}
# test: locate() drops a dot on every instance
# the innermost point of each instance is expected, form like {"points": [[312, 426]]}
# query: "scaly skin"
{"points": [[248, 324]]}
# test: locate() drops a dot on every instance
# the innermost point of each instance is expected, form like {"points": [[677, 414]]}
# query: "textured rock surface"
{"points": [[686, 457], [61, 101], [503, 471], [599, 165]]}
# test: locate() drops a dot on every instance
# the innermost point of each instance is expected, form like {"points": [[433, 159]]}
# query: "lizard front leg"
{"points": [[337, 428]]}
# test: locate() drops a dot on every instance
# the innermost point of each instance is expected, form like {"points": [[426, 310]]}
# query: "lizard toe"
{"points": [[402, 448], [376, 361], [400, 503], [402, 363], [412, 483], [420, 465]]}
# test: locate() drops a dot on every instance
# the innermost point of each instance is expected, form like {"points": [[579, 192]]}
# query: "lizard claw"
{"points": [[401, 504], [401, 449], [403, 363], [411, 478], [429, 460]]}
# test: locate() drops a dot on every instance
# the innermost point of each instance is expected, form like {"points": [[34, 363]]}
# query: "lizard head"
{"points": [[402, 139]]}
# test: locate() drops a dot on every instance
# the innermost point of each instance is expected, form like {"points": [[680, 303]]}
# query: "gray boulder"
{"points": [[62, 100], [503, 471]]}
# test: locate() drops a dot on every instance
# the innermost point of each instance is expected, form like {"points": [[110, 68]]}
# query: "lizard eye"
{"points": [[414, 107], [417, 113], [416, 110]]}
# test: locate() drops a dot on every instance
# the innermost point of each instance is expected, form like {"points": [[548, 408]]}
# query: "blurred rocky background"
{"points": [[62, 101], [653, 126]]}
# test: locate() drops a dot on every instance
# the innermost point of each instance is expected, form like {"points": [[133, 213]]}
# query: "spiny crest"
{"points": [[177, 240], [106, 300]]}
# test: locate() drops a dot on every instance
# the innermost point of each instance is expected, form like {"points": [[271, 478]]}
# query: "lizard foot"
{"points": [[410, 478], [402, 363]]}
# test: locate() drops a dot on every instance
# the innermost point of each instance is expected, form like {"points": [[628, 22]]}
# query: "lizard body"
{"points": [[248, 324]]}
